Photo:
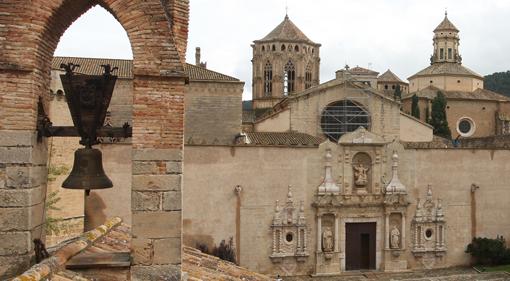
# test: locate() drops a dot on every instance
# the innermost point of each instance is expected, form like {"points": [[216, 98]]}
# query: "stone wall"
{"points": [[264, 173], [213, 112]]}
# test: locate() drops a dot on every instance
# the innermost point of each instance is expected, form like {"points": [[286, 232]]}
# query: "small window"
{"points": [[289, 237], [430, 81], [393, 87], [441, 53], [273, 48], [450, 53], [466, 127], [386, 87], [428, 233], [263, 48], [296, 48], [313, 50], [283, 47], [458, 81]]}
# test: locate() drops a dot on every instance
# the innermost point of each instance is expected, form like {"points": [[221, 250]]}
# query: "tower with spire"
{"points": [[284, 62], [446, 43]]}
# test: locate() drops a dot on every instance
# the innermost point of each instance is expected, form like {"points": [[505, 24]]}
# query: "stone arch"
{"points": [[157, 31]]}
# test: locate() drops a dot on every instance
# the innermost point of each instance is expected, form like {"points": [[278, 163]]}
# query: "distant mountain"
{"points": [[498, 82]]}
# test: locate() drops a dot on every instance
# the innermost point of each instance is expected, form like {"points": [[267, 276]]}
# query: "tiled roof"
{"points": [[199, 266], [286, 31], [389, 76], [444, 68], [281, 138], [446, 25], [197, 73], [362, 71], [479, 94], [91, 66]]}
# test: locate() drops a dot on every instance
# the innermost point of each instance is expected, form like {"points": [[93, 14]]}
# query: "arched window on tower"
{"points": [[268, 79], [289, 76], [308, 76]]}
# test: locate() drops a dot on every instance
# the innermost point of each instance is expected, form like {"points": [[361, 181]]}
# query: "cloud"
{"points": [[394, 34]]}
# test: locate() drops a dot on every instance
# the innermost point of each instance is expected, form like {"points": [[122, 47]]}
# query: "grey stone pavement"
{"points": [[451, 274]]}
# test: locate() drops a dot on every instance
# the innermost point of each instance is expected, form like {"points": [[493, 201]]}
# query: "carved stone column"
{"points": [[337, 236], [319, 233]]}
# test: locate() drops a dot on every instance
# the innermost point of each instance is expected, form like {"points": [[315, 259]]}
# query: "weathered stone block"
{"points": [[167, 251], [21, 218], [18, 138], [156, 224], [15, 243], [15, 155], [11, 266], [145, 201], [156, 182], [143, 168], [173, 167], [25, 177], [172, 201], [142, 251], [21, 197], [153, 154], [156, 272]]}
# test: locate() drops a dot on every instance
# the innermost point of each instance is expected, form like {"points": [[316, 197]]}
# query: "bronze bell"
{"points": [[87, 172]]}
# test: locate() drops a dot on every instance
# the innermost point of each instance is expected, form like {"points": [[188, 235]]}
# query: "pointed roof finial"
{"points": [[286, 10], [445, 12]]}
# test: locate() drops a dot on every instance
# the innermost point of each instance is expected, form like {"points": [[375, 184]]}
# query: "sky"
{"points": [[379, 34]]}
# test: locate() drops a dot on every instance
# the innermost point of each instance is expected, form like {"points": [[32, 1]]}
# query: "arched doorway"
{"points": [[31, 31]]}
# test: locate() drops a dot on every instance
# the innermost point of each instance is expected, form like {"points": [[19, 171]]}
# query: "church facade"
{"points": [[329, 177]]}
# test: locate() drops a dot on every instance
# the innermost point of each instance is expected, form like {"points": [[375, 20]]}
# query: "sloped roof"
{"points": [[444, 68], [446, 25], [389, 76], [281, 139], [362, 71], [197, 73], [199, 266], [479, 94], [91, 66], [286, 31]]}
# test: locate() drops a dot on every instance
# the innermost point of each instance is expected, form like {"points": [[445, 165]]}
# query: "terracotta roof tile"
{"points": [[479, 94], [446, 68], [389, 76], [446, 25], [91, 66], [287, 31], [362, 71], [281, 139]]}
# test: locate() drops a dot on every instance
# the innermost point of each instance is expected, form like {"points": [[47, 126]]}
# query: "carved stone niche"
{"points": [[328, 254], [289, 231], [429, 231], [362, 172]]}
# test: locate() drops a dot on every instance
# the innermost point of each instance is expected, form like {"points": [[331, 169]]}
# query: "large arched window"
{"points": [[268, 79], [342, 117], [289, 76], [308, 76]]}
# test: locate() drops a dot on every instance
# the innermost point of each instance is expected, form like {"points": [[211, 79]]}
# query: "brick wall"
{"points": [[29, 35]]}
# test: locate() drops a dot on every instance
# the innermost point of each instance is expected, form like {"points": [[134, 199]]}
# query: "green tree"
{"points": [[498, 82], [438, 119], [397, 95], [427, 114], [415, 109]]}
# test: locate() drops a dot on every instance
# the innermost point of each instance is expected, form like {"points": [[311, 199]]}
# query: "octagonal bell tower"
{"points": [[284, 62]]}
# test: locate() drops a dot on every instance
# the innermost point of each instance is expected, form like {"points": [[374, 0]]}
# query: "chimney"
{"points": [[197, 56]]}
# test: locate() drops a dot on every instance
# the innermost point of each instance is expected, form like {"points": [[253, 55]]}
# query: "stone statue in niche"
{"points": [[360, 174], [395, 238], [327, 240]]}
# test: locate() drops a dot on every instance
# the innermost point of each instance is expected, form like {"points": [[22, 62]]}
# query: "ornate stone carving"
{"points": [[328, 184], [395, 186], [428, 227], [327, 240], [395, 238], [360, 174], [289, 230]]}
